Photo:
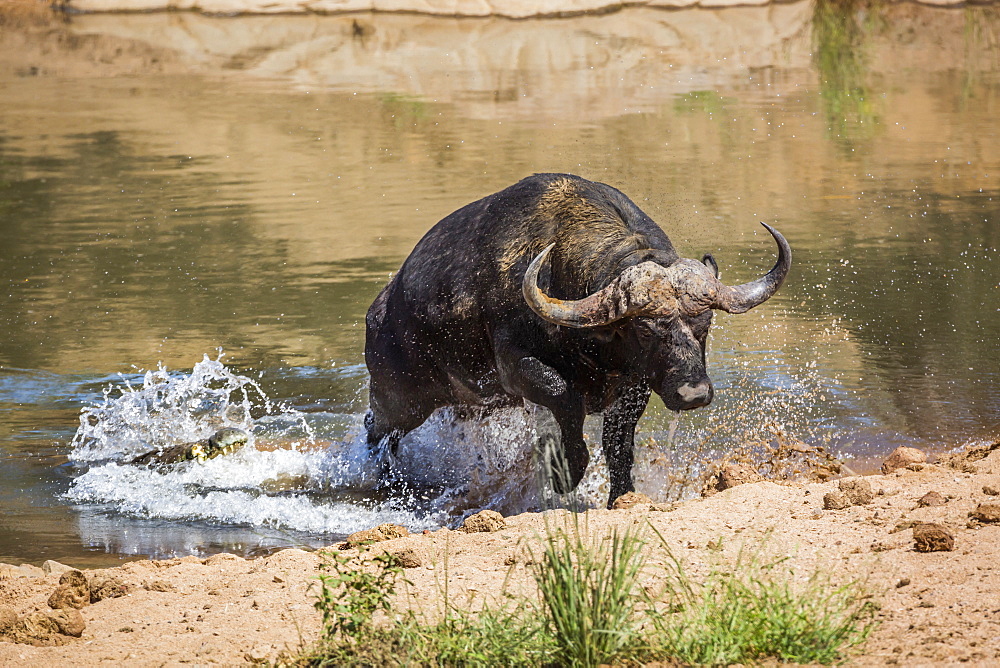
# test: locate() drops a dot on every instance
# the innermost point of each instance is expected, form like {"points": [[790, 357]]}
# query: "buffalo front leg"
{"points": [[618, 439], [561, 445]]}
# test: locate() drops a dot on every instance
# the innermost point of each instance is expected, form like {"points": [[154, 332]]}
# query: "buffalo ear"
{"points": [[709, 262]]}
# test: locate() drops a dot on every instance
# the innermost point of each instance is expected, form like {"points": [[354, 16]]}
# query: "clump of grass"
{"points": [[506, 636], [348, 597], [757, 609], [591, 610], [513, 635], [588, 590]]}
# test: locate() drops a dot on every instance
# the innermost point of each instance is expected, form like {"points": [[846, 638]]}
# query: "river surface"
{"points": [[196, 213]]}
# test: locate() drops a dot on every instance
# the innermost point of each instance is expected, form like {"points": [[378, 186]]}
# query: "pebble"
{"points": [[901, 458], [858, 490], [380, 533], [55, 568], [484, 521], [730, 476], [931, 537], [931, 499], [630, 500], [407, 558], [835, 501], [987, 513]]}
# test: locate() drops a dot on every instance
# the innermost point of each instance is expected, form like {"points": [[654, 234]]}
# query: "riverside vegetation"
{"points": [[598, 602]]}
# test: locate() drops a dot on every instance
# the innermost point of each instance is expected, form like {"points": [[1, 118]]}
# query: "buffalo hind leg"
{"points": [[385, 427]]}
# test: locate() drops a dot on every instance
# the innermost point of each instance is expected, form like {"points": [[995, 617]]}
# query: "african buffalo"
{"points": [[560, 291]]}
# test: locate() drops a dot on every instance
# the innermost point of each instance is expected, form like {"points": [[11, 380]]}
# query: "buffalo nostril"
{"points": [[695, 396]]}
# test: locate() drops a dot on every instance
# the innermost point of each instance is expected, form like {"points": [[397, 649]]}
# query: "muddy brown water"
{"points": [[173, 184]]}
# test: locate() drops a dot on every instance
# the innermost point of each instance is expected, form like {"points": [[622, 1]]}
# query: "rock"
{"points": [[391, 531], [737, 474], [8, 617], [36, 629], [31, 571], [836, 501], [407, 558], [73, 591], [730, 476], [483, 521], [74, 578], [158, 585], [45, 629], [930, 537], [70, 622], [363, 537], [931, 499], [377, 535], [857, 490], [990, 491], [55, 568], [987, 513], [107, 586], [9, 572], [221, 558], [630, 500], [901, 458], [854, 491]]}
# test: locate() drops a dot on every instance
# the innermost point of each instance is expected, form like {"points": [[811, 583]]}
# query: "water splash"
{"points": [[286, 478], [301, 472], [172, 408]]}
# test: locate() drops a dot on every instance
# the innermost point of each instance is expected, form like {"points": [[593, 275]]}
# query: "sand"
{"points": [[936, 607]]}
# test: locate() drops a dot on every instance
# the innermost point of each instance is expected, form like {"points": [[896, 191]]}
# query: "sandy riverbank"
{"points": [[937, 607]]}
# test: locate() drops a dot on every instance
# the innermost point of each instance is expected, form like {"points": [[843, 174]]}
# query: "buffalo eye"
{"points": [[646, 330]]}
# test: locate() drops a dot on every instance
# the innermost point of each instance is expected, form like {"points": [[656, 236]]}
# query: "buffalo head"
{"points": [[666, 311]]}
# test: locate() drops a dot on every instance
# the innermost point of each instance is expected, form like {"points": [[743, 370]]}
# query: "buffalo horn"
{"points": [[649, 289], [603, 307], [742, 298]]}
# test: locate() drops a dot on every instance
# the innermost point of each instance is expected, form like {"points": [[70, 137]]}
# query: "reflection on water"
{"points": [[174, 184], [842, 33]]}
